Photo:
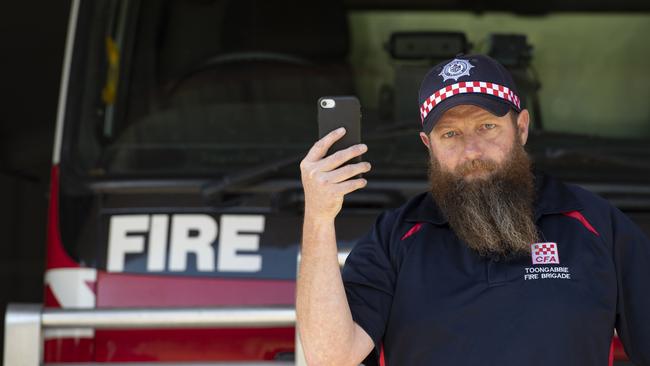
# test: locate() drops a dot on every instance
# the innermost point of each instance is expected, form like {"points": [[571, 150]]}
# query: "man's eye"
{"points": [[489, 126], [449, 134]]}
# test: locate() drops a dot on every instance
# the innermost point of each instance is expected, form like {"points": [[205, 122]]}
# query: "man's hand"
{"points": [[325, 181]]}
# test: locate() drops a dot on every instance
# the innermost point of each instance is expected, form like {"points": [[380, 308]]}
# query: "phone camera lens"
{"points": [[327, 103]]}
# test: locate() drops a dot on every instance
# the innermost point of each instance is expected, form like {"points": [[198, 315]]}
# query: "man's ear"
{"points": [[425, 140], [523, 121]]}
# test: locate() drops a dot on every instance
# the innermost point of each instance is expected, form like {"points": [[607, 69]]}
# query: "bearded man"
{"points": [[494, 265]]}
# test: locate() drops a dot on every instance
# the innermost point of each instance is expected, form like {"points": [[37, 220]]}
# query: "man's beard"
{"points": [[493, 215]]}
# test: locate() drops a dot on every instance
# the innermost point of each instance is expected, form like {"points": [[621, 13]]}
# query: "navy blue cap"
{"points": [[467, 79]]}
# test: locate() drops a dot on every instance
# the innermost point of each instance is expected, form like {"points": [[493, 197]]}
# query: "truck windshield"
{"points": [[208, 88]]}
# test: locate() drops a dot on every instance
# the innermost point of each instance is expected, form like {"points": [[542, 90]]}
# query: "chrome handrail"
{"points": [[151, 318], [234, 363]]}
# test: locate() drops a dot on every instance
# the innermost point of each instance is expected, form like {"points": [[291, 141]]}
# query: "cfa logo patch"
{"points": [[544, 253]]}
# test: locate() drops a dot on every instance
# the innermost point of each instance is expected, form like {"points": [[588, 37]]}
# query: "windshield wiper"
{"points": [[213, 191]]}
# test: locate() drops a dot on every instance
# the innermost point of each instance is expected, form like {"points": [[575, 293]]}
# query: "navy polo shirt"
{"points": [[414, 287]]}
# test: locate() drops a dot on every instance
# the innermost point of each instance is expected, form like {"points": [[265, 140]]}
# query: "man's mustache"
{"points": [[477, 165]]}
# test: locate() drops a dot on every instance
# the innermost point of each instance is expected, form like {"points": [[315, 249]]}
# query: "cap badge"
{"points": [[455, 69]]}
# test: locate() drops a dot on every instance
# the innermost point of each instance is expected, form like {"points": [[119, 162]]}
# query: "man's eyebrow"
{"points": [[443, 125], [449, 121], [475, 118]]}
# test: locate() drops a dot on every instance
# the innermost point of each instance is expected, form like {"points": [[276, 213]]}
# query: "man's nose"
{"points": [[472, 149]]}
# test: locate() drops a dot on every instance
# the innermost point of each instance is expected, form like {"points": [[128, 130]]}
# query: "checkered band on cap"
{"points": [[464, 87]]}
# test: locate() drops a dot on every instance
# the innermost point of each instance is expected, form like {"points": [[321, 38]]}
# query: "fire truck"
{"points": [[176, 204]]}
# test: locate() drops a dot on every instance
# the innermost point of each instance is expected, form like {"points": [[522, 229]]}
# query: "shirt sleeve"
{"points": [[369, 280], [632, 261]]}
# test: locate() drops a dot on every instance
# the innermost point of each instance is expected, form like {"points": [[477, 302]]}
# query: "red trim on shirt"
{"points": [[578, 216], [412, 230]]}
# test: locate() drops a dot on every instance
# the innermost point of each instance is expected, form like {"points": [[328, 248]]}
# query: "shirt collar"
{"points": [[553, 197]]}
